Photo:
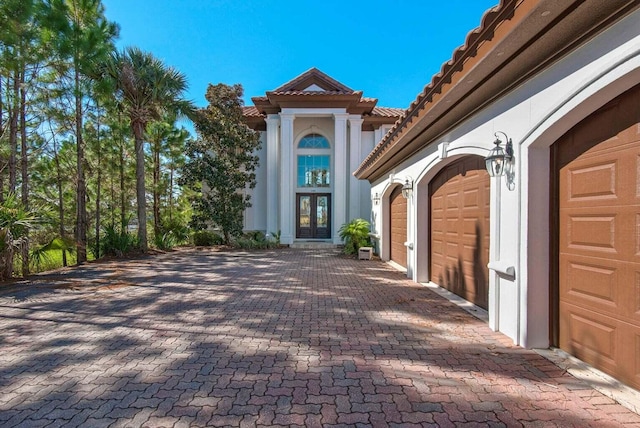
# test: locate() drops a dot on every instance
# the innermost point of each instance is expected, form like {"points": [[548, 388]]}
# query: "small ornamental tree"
{"points": [[221, 162]]}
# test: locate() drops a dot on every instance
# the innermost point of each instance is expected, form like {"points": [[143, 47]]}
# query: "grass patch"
{"points": [[52, 259]]}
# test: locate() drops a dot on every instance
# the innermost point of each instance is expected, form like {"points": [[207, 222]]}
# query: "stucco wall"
{"points": [[534, 115], [254, 218]]}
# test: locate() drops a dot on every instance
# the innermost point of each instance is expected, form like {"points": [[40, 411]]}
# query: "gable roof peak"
{"points": [[316, 79]]}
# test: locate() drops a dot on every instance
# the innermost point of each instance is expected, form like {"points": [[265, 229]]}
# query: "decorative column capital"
{"points": [[355, 119], [272, 119]]}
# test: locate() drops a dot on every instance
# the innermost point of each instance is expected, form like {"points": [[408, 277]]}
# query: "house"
{"points": [[551, 249], [314, 131]]}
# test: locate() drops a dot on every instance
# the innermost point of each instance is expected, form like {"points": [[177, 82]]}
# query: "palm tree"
{"points": [[15, 222], [145, 89]]}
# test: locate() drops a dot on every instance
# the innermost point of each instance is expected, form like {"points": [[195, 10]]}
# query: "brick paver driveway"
{"points": [[290, 337]]}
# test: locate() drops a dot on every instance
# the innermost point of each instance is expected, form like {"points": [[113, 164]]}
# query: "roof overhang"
{"points": [[274, 102], [516, 40], [314, 89]]}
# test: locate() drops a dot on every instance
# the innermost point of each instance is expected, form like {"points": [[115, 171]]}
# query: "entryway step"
{"points": [[314, 245]]}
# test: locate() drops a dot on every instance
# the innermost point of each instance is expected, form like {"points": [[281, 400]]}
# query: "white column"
{"points": [[273, 121], [355, 157], [287, 199], [340, 175]]}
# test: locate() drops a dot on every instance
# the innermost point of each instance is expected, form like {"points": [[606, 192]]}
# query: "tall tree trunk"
{"points": [[98, 186], [156, 190], [1, 108], [24, 166], [81, 190], [62, 232], [123, 206], [2, 128], [112, 203], [171, 194], [13, 134], [138, 133]]}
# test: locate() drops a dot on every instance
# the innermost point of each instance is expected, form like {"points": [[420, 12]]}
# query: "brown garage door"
{"points": [[598, 167], [398, 218], [460, 229]]}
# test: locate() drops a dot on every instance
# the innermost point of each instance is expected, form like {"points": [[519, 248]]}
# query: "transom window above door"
{"points": [[314, 141]]}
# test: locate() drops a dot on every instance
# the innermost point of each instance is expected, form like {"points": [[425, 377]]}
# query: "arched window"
{"points": [[314, 141], [314, 161]]}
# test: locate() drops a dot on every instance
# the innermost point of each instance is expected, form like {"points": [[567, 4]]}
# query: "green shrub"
{"points": [[206, 238], [165, 241], [276, 237], [177, 228], [355, 234], [255, 240], [118, 243]]}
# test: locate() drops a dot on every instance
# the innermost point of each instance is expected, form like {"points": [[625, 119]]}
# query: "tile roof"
{"points": [[314, 88], [489, 18], [312, 93], [516, 40], [387, 112], [315, 75], [251, 111]]}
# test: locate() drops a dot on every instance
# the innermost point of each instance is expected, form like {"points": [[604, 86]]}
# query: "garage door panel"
{"points": [[636, 236], [452, 259], [598, 231], [594, 284], [630, 297], [452, 202], [472, 198], [462, 268], [636, 298], [593, 181], [633, 354], [590, 337], [471, 228], [591, 232], [437, 204], [398, 220], [629, 135], [598, 171], [438, 222]]}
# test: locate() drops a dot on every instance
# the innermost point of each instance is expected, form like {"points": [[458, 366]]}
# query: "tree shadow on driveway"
{"points": [[287, 337]]}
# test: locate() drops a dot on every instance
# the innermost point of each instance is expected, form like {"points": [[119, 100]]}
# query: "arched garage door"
{"points": [[598, 230], [398, 219], [459, 231]]}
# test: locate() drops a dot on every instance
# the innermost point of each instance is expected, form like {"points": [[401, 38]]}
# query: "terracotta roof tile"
{"points": [[250, 111], [387, 112], [312, 93], [489, 18], [310, 74]]}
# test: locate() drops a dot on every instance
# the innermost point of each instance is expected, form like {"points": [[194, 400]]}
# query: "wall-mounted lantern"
{"points": [[407, 189], [500, 161], [376, 199]]}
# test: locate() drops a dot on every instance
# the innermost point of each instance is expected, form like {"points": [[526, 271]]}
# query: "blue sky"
{"points": [[388, 49]]}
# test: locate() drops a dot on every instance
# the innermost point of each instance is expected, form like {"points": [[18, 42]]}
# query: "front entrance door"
{"points": [[313, 216]]}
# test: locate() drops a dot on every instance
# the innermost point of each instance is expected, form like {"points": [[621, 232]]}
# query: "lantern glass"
{"points": [[376, 199], [407, 189], [496, 161]]}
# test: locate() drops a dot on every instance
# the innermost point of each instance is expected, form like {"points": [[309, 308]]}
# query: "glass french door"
{"points": [[313, 216]]}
